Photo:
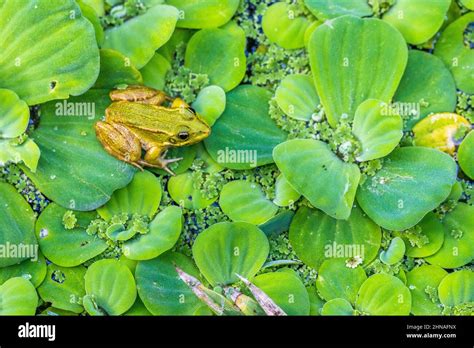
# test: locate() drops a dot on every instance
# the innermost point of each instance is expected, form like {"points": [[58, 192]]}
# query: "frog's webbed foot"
{"points": [[162, 164], [155, 157]]}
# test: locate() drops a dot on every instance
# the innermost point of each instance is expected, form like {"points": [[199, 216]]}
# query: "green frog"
{"points": [[138, 120]]}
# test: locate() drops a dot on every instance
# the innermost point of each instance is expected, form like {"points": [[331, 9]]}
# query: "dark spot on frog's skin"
{"points": [[84, 243], [190, 198], [325, 168], [52, 85]]}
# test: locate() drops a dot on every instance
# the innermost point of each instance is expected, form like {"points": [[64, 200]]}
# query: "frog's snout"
{"points": [[203, 130], [203, 133]]}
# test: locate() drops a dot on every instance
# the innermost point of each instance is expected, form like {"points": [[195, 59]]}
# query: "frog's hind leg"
{"points": [[119, 142], [140, 94]]}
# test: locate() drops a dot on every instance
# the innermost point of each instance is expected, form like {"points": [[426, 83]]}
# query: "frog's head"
{"points": [[190, 128]]}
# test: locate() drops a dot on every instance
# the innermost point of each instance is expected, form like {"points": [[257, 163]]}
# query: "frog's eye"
{"points": [[183, 135]]}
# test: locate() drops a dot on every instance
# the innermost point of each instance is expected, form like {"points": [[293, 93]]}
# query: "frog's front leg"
{"points": [[140, 94], [120, 142], [155, 157]]}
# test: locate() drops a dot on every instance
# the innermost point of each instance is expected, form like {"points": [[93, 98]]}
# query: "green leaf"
{"points": [[32, 270], [49, 50], [277, 224], [245, 201], [457, 288], [14, 114], [197, 14], [139, 37], [384, 294], [227, 248], [458, 56], [286, 289], [432, 230], [209, 165], [468, 4], [138, 309], [423, 281], [219, 54], [116, 69], [337, 306], [179, 37], [64, 287], [210, 104], [27, 152], [101, 281], [417, 20], [394, 252], [182, 191], [14, 117], [247, 111], [412, 182], [466, 155], [377, 129], [17, 223], [74, 170], [142, 196], [336, 280], [427, 86], [161, 289], [327, 9], [18, 297], [92, 16], [309, 31], [458, 247], [333, 182], [285, 194], [316, 237], [96, 5], [340, 63], [316, 303], [234, 28], [283, 27], [163, 235], [297, 97], [67, 248], [154, 72]]}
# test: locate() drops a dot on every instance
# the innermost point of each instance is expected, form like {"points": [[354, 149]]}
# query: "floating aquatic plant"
{"points": [[336, 178]]}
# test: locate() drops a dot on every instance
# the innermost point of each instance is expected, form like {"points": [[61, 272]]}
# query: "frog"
{"points": [[144, 119]]}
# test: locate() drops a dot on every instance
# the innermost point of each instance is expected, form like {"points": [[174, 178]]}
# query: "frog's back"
{"points": [[140, 116]]}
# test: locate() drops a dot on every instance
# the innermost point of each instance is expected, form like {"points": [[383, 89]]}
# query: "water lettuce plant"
{"points": [[337, 178]]}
